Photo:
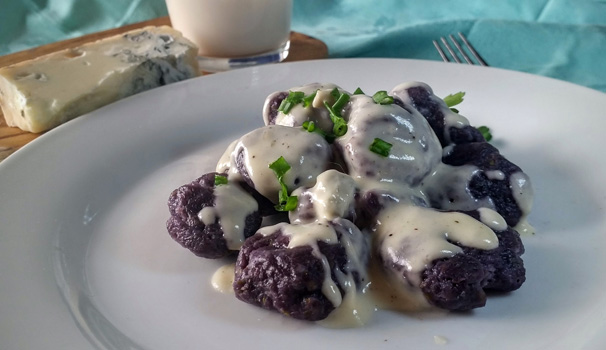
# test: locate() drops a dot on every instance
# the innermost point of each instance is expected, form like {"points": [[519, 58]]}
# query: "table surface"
{"points": [[303, 47]]}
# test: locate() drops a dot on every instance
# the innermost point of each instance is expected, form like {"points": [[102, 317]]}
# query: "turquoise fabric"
{"points": [[563, 39]]}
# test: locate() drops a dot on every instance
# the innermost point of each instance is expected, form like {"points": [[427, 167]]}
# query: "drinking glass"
{"points": [[234, 33]]}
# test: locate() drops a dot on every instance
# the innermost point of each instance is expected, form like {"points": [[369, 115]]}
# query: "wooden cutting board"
{"points": [[302, 47]]}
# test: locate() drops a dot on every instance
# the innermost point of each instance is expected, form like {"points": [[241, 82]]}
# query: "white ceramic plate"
{"points": [[85, 260]]}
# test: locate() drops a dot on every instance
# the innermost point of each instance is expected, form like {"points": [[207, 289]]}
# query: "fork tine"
{"points": [[461, 51], [440, 51], [472, 50], [452, 53]]}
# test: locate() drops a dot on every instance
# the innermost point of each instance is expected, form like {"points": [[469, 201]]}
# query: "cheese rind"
{"points": [[40, 94]]}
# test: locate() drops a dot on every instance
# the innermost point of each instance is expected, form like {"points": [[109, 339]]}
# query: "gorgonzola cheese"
{"points": [[40, 94]]}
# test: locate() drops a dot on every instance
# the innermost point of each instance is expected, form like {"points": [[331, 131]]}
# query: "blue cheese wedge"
{"points": [[40, 94]]}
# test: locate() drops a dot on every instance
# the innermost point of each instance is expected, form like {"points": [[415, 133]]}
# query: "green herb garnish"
{"points": [[382, 98], [220, 180], [335, 93], [341, 102], [485, 131], [293, 98], [340, 127], [380, 147], [285, 202], [454, 99], [339, 124], [334, 111], [307, 100], [309, 125], [358, 92]]}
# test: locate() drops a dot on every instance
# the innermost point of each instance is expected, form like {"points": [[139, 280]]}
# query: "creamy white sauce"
{"points": [[523, 194], [495, 175], [440, 340], [524, 227], [444, 190], [356, 246], [299, 114], [267, 105], [333, 196], [400, 91], [389, 292], [207, 215], [407, 237], [223, 279], [224, 162], [356, 309], [323, 95], [492, 219], [451, 119], [413, 237], [415, 149], [310, 235], [307, 153], [394, 193], [232, 206], [352, 307]]}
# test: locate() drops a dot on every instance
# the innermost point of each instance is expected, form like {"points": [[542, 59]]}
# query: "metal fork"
{"points": [[460, 50]]}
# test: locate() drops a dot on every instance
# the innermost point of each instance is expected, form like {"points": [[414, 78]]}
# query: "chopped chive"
{"points": [[382, 98], [334, 111], [339, 124], [454, 99], [335, 93], [380, 147], [285, 202], [220, 180], [358, 92], [340, 127], [286, 106], [291, 203], [293, 98], [485, 131], [341, 102], [307, 100], [280, 166], [309, 125]]}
